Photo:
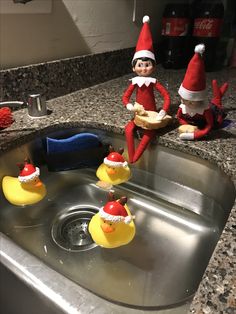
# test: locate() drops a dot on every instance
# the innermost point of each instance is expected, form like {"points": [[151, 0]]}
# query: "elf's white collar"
{"points": [[193, 111], [142, 80]]}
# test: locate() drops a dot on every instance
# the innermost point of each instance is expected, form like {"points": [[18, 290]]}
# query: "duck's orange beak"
{"points": [[37, 183], [107, 228], [110, 171]]}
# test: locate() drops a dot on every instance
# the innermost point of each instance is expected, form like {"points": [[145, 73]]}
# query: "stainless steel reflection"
{"points": [[37, 106], [13, 104], [70, 229], [181, 204]]}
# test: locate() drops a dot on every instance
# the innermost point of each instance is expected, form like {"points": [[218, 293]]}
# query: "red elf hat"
{"points": [[28, 172], [193, 86], [144, 47]]}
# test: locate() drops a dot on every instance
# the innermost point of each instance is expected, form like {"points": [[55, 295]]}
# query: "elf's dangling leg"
{"points": [[148, 135], [216, 104], [129, 134]]}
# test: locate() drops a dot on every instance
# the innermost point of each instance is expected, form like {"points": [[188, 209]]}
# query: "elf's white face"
{"points": [[143, 68], [192, 104]]}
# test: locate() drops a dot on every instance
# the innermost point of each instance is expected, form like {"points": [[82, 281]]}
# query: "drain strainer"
{"points": [[70, 230]]}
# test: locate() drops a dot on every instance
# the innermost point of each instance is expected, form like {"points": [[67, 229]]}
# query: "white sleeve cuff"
{"points": [[130, 107], [161, 114], [187, 136]]}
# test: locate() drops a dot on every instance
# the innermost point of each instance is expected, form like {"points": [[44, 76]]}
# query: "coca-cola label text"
{"points": [[207, 27], [175, 26]]}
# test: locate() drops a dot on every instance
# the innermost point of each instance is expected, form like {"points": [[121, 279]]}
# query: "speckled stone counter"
{"points": [[100, 107], [60, 77]]}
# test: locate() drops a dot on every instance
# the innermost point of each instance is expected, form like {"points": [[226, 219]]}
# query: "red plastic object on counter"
{"points": [[6, 118]]}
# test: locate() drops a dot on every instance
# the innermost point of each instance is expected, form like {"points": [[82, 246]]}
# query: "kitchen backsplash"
{"points": [[64, 76]]}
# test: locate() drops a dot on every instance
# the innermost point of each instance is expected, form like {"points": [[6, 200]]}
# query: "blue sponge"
{"points": [[74, 143], [78, 151]]}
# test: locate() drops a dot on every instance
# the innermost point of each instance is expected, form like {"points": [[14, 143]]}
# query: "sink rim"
{"points": [[53, 285], [217, 244]]}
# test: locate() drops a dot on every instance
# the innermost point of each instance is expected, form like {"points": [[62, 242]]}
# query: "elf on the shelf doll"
{"points": [[198, 117], [143, 64]]}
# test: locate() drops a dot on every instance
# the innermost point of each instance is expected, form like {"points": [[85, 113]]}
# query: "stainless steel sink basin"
{"points": [[181, 204]]}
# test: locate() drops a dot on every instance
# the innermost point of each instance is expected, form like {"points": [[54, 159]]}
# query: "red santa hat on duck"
{"points": [[115, 160], [144, 47], [115, 211], [193, 87], [28, 172]]}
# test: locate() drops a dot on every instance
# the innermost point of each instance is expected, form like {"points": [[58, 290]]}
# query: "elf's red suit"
{"points": [[205, 118], [194, 109], [144, 96], [143, 64]]}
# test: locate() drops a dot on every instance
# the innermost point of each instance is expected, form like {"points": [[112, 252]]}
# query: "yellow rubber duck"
{"points": [[114, 169], [113, 225], [26, 189]]}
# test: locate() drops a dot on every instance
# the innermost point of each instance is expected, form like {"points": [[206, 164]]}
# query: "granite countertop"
{"points": [[100, 107]]}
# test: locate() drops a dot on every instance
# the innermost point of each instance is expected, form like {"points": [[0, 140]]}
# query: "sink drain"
{"points": [[70, 230]]}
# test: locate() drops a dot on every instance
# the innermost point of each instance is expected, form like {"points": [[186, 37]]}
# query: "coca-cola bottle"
{"points": [[175, 35], [208, 19]]}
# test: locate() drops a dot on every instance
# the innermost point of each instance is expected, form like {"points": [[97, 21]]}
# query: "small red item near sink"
{"points": [[6, 118]]}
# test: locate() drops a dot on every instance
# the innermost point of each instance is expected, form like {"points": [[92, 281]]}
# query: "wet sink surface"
{"points": [[179, 219]]}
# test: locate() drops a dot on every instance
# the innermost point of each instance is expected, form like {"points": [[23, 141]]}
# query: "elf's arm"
{"points": [[209, 124], [166, 96], [180, 117], [200, 133], [126, 97]]}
